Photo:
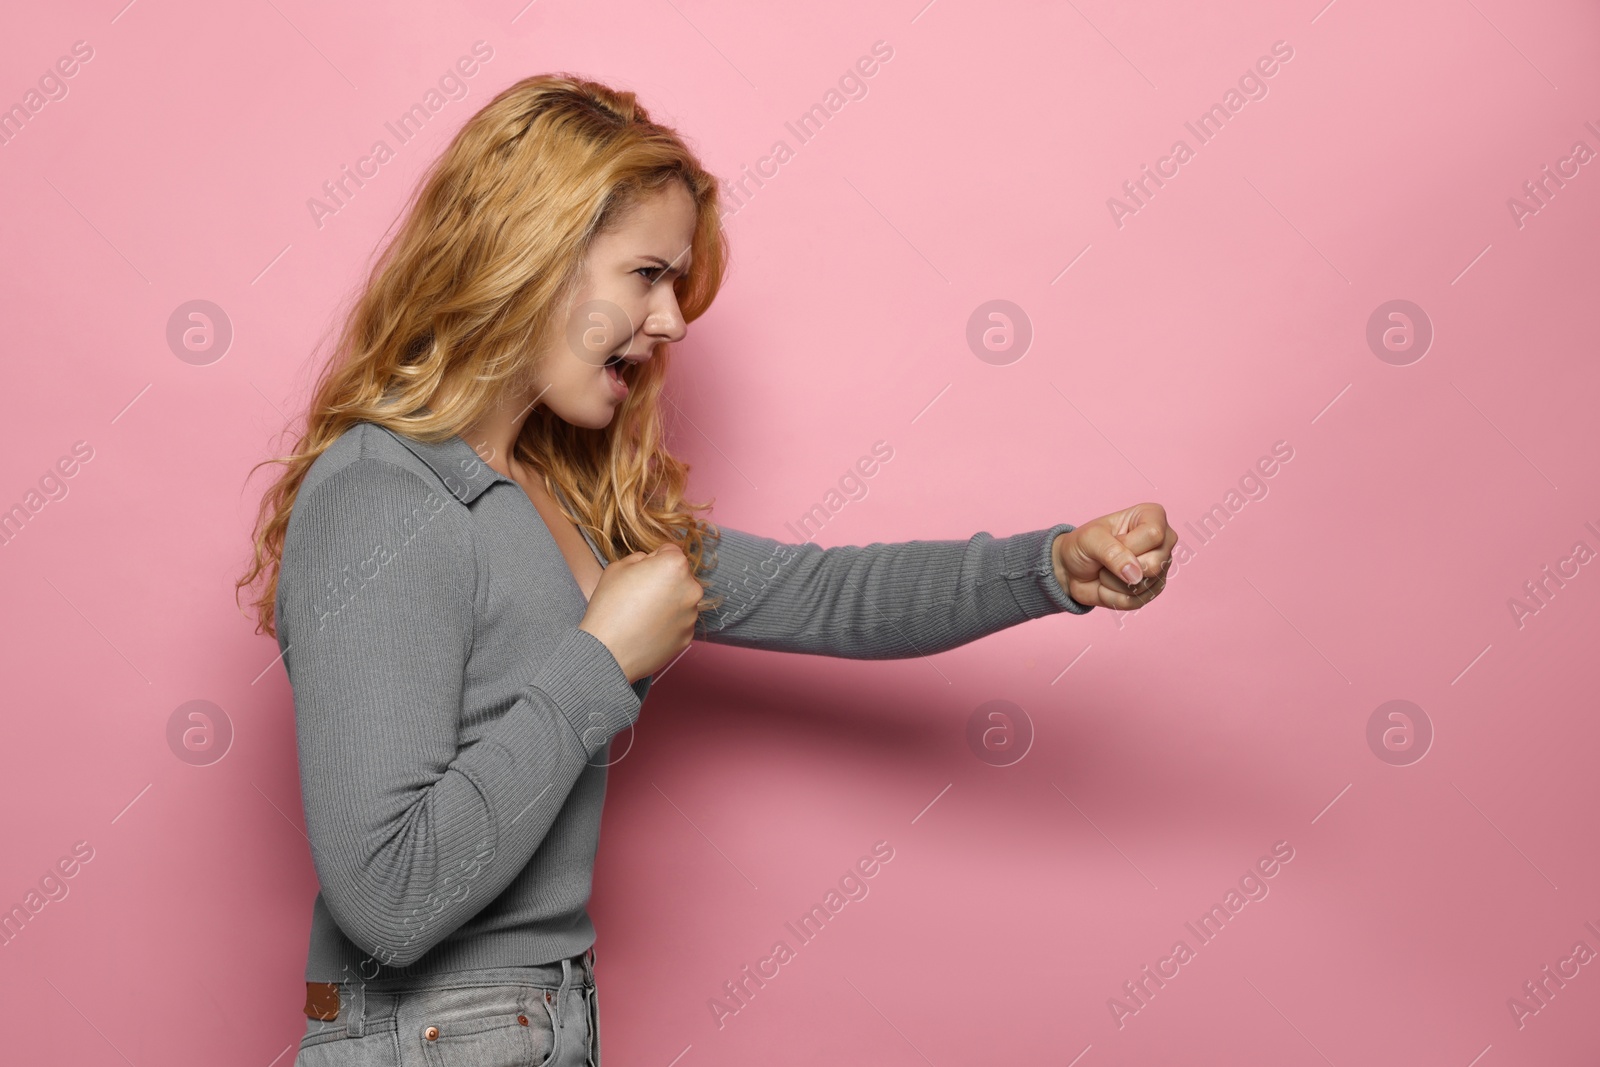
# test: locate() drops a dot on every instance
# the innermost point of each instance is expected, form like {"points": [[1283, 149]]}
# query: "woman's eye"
{"points": [[643, 270]]}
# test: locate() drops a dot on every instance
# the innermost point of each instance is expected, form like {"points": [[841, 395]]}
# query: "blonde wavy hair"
{"points": [[490, 251]]}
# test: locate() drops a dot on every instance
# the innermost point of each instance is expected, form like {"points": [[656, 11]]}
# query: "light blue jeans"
{"points": [[544, 1016]]}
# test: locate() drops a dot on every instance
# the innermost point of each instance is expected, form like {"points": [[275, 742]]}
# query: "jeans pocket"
{"points": [[500, 1035], [328, 1045]]}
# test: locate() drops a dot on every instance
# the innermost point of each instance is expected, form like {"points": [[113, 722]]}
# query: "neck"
{"points": [[494, 433]]}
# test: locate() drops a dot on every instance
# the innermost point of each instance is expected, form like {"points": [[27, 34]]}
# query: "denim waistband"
{"points": [[364, 1003]]}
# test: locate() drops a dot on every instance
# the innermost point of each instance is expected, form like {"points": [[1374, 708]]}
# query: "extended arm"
{"points": [[412, 832], [880, 601]]}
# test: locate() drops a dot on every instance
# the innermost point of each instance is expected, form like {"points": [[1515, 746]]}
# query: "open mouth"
{"points": [[616, 370]]}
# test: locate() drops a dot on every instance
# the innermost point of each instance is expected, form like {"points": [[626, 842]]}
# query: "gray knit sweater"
{"points": [[454, 723]]}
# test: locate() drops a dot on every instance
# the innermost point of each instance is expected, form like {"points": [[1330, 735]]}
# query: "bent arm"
{"points": [[885, 600], [413, 832]]}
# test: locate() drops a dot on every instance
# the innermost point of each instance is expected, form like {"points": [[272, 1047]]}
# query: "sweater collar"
{"points": [[462, 471]]}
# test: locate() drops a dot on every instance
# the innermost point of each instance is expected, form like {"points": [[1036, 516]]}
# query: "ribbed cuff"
{"points": [[1031, 576], [588, 685]]}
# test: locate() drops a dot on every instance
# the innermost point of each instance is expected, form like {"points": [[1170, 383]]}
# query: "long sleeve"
{"points": [[420, 814], [882, 601]]}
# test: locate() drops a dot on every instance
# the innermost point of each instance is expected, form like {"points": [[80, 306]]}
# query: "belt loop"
{"points": [[566, 977], [355, 1002]]}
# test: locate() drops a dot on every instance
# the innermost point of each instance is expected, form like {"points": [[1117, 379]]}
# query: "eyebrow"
{"points": [[667, 265]]}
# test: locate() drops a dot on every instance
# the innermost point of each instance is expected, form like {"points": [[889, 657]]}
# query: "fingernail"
{"points": [[1131, 573]]}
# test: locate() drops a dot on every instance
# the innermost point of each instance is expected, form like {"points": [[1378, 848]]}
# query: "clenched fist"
{"points": [[1117, 561], [644, 609]]}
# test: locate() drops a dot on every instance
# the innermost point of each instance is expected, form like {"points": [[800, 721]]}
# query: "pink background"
{"points": [[1172, 747]]}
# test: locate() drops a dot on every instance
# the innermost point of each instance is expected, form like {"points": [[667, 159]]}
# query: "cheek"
{"points": [[563, 367]]}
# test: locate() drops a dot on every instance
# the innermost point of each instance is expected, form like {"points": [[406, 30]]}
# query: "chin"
{"points": [[592, 411], [597, 417]]}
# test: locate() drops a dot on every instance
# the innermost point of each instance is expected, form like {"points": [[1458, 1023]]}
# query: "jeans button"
{"points": [[431, 1033]]}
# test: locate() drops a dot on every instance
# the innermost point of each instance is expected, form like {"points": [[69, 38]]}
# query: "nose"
{"points": [[664, 320]]}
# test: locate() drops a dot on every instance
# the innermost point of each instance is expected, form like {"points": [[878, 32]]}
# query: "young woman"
{"points": [[479, 552]]}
